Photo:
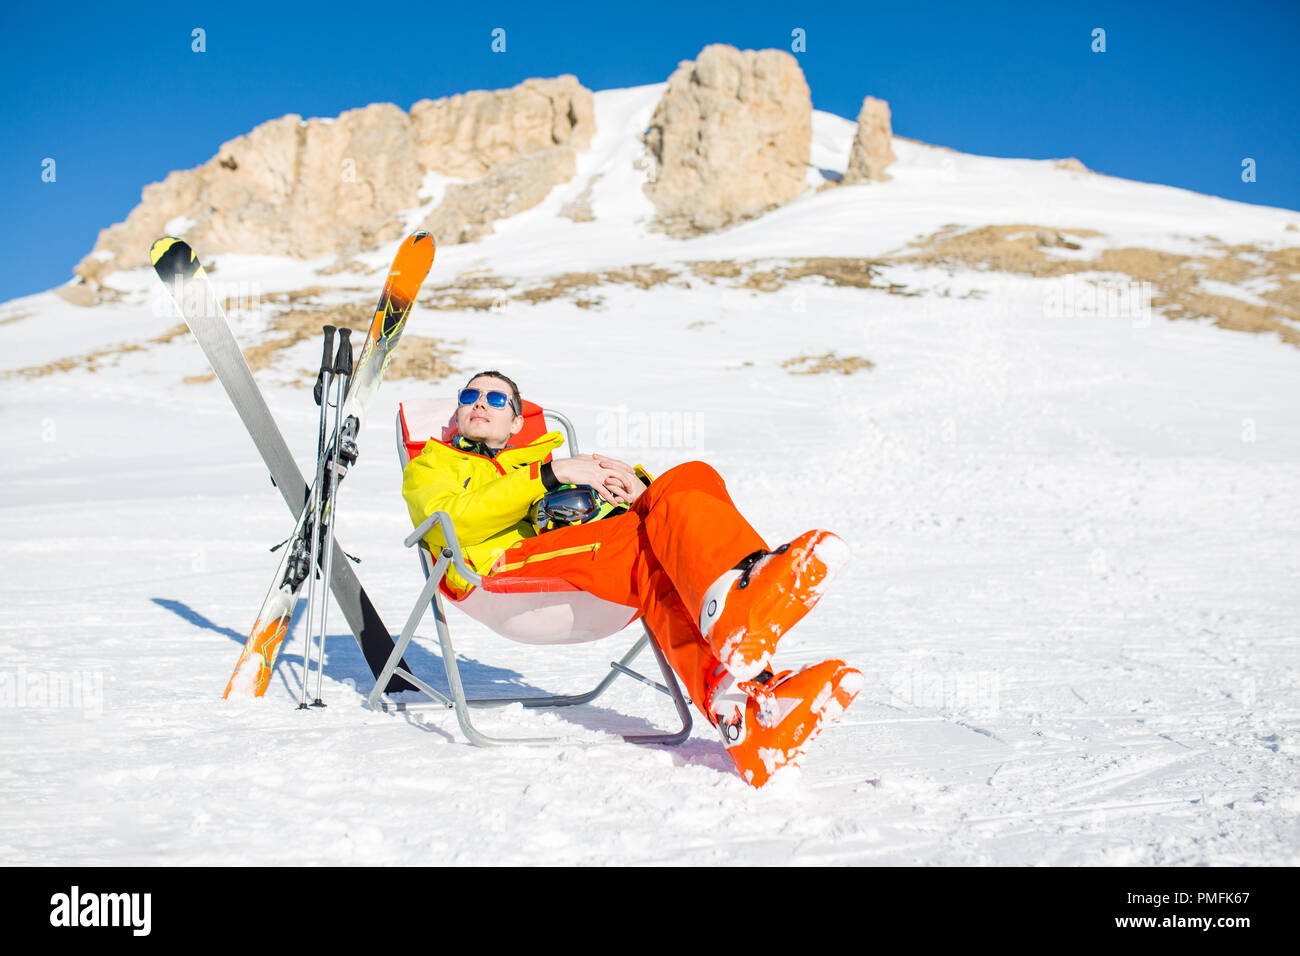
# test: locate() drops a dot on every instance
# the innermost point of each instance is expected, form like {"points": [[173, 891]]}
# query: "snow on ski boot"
{"points": [[768, 723], [747, 609]]}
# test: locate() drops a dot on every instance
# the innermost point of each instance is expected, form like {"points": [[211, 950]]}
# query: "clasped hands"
{"points": [[614, 480]]}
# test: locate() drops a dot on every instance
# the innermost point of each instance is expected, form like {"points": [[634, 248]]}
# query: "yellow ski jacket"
{"points": [[488, 498]]}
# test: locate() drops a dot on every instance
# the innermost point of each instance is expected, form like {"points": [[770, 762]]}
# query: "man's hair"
{"points": [[514, 389]]}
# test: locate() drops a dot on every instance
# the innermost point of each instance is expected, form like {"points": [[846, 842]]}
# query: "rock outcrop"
{"points": [[871, 151], [730, 138], [318, 187], [468, 134], [468, 210], [1073, 165]]}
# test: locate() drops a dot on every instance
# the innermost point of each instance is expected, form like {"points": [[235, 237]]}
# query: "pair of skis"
{"points": [[180, 271]]}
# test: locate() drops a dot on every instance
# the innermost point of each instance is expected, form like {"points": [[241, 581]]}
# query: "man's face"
{"points": [[481, 422]]}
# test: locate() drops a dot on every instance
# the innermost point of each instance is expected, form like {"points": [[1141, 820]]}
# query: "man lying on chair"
{"points": [[715, 598]]}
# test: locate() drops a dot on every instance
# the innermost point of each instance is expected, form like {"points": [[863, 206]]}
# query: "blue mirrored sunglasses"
{"points": [[468, 396]]}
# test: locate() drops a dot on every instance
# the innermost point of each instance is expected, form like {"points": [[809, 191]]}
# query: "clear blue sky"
{"points": [[114, 94]]}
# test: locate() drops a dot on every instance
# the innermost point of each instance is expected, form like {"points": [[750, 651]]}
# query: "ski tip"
{"points": [[160, 247], [416, 238], [173, 257]]}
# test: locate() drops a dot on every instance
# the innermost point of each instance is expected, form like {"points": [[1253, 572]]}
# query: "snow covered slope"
{"points": [[1073, 587]]}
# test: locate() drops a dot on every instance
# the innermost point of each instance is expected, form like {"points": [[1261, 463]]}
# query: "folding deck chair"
{"points": [[530, 611]]}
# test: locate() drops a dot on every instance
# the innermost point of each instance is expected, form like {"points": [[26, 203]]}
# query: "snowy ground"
{"points": [[1074, 585]]}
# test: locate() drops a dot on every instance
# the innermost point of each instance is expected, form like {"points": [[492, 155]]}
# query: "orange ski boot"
{"points": [[768, 723], [747, 609]]}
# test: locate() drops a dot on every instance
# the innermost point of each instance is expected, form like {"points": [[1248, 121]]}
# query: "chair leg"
{"points": [[391, 666], [679, 700], [671, 688], [462, 706], [429, 597]]}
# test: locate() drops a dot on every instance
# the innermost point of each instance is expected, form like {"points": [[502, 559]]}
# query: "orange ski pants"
{"points": [[660, 557]]}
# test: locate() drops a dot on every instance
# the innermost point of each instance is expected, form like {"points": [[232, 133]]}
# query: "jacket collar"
{"points": [[534, 451], [474, 446]]}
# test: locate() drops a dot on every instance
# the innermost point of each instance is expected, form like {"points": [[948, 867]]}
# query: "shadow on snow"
{"points": [[346, 665]]}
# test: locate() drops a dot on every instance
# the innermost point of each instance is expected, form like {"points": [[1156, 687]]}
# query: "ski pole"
{"points": [[320, 391], [342, 375]]}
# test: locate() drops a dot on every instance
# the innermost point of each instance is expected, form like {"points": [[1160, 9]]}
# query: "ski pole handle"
{"points": [[324, 363], [343, 359]]}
